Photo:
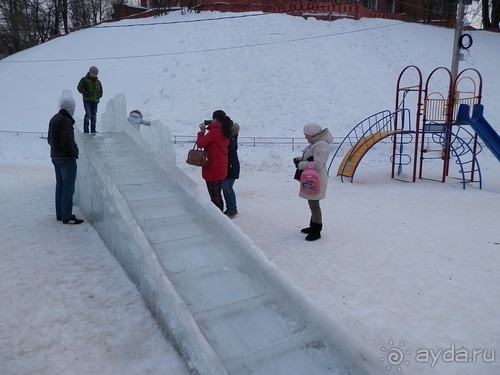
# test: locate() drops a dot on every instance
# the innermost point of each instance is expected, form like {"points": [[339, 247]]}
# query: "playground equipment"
{"points": [[365, 135], [489, 136], [435, 136]]}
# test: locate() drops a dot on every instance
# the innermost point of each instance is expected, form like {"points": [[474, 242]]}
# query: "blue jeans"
{"points": [[65, 187], [90, 115], [229, 194]]}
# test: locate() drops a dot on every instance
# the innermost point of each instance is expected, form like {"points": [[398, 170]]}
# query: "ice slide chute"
{"points": [[227, 308], [485, 131]]}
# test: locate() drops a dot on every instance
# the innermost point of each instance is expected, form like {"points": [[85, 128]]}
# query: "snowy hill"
{"points": [[399, 263]]}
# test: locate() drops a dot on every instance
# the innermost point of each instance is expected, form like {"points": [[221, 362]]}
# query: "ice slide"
{"points": [[485, 131], [216, 296]]}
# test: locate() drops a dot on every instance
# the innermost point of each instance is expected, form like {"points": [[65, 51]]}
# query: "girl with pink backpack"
{"points": [[314, 179]]}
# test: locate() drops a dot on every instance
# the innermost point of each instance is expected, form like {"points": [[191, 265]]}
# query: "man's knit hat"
{"points": [[68, 104], [93, 70], [312, 129]]}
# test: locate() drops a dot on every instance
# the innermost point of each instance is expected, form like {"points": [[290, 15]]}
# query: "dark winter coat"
{"points": [[215, 143], [319, 149], [233, 166], [61, 136], [90, 88]]}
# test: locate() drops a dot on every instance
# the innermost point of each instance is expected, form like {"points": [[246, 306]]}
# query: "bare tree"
{"points": [[495, 14], [87, 13], [79, 15], [26, 23], [64, 15], [20, 26], [486, 14], [41, 16], [490, 10], [57, 17]]}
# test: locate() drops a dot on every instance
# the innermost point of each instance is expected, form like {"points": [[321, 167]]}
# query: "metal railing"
{"points": [[257, 141], [293, 142], [42, 134]]}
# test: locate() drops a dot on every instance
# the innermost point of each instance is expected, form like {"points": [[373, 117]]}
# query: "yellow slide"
{"points": [[353, 157]]}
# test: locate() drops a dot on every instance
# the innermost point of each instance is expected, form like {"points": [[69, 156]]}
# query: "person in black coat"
{"points": [[64, 152], [233, 173]]}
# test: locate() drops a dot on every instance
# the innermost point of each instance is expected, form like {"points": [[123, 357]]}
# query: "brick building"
{"points": [[439, 12]]}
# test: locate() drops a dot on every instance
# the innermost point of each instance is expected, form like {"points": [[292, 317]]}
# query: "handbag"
{"points": [[197, 156], [298, 172]]}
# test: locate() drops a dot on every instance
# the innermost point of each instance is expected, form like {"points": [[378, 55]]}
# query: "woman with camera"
{"points": [[214, 137]]}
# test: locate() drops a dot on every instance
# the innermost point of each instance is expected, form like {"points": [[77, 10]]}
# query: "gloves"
{"points": [[296, 161], [202, 127]]}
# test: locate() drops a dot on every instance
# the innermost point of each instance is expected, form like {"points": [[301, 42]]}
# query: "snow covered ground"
{"points": [[409, 268]]}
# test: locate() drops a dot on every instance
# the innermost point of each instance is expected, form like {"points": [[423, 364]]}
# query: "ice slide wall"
{"points": [[252, 319]]}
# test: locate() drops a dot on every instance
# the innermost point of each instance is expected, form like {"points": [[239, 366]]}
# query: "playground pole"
{"points": [[454, 73], [456, 42]]}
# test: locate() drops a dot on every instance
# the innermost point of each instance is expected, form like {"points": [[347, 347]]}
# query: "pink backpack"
{"points": [[309, 180]]}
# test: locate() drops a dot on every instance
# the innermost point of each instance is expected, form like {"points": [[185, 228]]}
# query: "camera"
{"points": [[207, 122]]}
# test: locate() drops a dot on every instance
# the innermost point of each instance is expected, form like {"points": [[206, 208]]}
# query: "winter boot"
{"points": [[315, 232], [308, 229]]}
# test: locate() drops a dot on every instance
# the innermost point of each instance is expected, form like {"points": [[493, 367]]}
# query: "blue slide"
{"points": [[489, 136]]}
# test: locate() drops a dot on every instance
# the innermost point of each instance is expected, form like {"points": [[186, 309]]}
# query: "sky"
{"points": [[409, 268]]}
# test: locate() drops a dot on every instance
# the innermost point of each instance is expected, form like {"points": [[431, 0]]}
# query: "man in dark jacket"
{"points": [[64, 152], [91, 89]]}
